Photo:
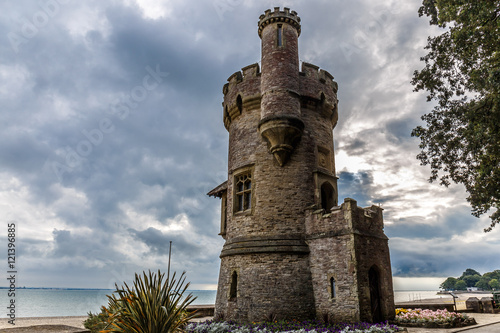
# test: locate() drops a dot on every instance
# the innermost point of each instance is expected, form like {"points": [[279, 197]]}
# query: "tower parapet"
{"points": [[279, 16], [241, 92]]}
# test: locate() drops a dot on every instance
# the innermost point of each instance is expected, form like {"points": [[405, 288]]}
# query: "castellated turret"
{"points": [[290, 251]]}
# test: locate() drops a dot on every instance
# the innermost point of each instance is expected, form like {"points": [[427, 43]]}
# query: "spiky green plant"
{"points": [[153, 305]]}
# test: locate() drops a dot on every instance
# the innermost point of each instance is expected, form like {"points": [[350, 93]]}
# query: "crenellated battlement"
{"points": [[249, 72], [279, 16], [314, 72], [242, 90], [346, 219], [318, 91]]}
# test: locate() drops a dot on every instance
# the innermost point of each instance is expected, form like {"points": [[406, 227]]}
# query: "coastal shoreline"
{"points": [[73, 321], [459, 301], [77, 321]]}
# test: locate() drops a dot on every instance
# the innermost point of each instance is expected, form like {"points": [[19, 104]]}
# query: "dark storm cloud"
{"points": [[159, 242], [358, 186], [161, 135], [134, 161], [399, 129], [69, 244], [439, 257], [457, 219], [355, 146]]}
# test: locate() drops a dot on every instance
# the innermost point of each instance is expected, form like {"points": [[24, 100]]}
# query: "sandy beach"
{"points": [[34, 321]]}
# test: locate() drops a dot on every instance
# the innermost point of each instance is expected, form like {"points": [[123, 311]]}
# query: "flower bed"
{"points": [[290, 327], [432, 319]]}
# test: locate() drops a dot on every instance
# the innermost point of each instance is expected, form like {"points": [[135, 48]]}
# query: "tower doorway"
{"points": [[374, 281]]}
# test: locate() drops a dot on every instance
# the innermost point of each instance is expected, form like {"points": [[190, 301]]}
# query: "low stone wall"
{"points": [[202, 310], [428, 306]]}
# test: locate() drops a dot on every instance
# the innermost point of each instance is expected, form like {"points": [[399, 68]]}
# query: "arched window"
{"points": [[233, 290], [327, 195], [243, 192]]}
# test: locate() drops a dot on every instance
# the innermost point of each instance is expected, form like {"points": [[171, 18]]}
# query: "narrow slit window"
{"points": [[280, 35], [332, 287], [233, 291]]}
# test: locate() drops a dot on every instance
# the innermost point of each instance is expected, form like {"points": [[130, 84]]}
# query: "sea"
{"points": [[79, 302]]}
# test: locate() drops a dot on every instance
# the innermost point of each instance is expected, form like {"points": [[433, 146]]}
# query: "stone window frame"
{"points": [[244, 171], [326, 154], [320, 178], [327, 199]]}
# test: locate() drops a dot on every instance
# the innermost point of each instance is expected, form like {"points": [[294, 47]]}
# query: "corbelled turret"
{"points": [[280, 123]]}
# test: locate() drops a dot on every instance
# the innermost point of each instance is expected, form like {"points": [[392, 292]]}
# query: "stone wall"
{"points": [[345, 244], [270, 286]]}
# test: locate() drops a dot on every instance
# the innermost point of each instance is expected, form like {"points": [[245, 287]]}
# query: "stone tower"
{"points": [[291, 251]]}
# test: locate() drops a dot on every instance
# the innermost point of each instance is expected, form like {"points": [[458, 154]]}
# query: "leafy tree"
{"points": [[494, 284], [461, 142], [483, 283], [460, 285], [449, 284], [469, 272], [471, 280], [493, 275]]}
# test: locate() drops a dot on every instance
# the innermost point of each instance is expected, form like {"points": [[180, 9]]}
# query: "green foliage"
{"points": [[469, 272], [460, 285], [153, 305], [471, 280], [494, 284], [449, 284], [483, 283], [96, 322], [461, 142], [493, 275]]}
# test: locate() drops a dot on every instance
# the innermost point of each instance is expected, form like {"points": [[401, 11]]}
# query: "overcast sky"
{"points": [[111, 134]]}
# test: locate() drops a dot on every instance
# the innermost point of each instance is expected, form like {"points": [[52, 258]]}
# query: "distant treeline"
{"points": [[472, 278]]}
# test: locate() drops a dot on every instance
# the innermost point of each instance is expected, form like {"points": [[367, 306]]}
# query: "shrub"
{"points": [[419, 317], [153, 305], [96, 322]]}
